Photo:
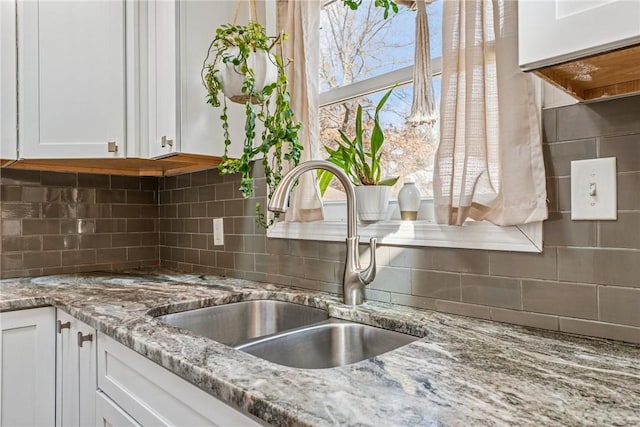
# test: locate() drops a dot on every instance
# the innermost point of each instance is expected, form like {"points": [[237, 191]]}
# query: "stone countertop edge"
{"points": [[462, 372]]}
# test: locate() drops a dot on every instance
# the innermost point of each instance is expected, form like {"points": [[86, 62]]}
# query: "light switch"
{"points": [[218, 231], [594, 189]]}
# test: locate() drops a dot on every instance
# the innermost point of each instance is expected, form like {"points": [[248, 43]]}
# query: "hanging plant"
{"points": [[385, 4], [242, 66]]}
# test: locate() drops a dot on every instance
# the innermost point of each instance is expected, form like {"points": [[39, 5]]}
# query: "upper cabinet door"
{"points": [[201, 127], [72, 87], [163, 77], [8, 87], [556, 31]]}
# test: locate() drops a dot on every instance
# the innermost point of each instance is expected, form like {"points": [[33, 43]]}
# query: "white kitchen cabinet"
{"points": [[110, 414], [162, 62], [555, 31], [27, 358], [151, 395], [113, 78], [201, 127], [76, 372], [8, 86], [77, 63]]}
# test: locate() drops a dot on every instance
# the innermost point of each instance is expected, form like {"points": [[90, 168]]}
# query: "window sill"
{"points": [[472, 235]]}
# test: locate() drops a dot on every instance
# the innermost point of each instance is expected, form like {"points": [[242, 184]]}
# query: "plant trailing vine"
{"points": [[269, 105], [385, 4]]}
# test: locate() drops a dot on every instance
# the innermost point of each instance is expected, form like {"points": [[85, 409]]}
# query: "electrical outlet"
{"points": [[594, 189], [218, 232]]}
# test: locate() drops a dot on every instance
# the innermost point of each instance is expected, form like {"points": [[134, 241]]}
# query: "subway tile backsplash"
{"points": [[55, 222], [587, 280]]}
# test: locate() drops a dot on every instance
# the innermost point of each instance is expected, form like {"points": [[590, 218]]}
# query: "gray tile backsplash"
{"points": [[568, 299], [492, 291], [609, 118], [55, 222], [587, 280]]}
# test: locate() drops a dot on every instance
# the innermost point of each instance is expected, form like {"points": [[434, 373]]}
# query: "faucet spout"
{"points": [[355, 278]]}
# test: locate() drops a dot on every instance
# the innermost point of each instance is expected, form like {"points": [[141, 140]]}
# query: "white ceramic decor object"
{"points": [[231, 79], [373, 202], [409, 201]]}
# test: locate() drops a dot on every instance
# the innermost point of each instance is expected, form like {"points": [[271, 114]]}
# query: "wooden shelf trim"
{"points": [[615, 73], [177, 164]]}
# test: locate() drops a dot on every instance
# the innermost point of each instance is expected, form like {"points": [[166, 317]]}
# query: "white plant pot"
{"points": [[373, 202], [231, 79]]}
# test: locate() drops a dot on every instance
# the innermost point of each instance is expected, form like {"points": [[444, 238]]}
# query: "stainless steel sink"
{"points": [[325, 345], [288, 334], [239, 322]]}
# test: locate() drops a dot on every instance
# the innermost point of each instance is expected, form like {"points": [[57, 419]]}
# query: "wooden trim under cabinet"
{"points": [[173, 165], [602, 76]]}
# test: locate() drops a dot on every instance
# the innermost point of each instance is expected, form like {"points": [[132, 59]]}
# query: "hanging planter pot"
{"points": [[232, 77]]}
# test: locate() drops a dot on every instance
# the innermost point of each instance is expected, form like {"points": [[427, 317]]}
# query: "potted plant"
{"points": [[362, 163], [242, 65]]}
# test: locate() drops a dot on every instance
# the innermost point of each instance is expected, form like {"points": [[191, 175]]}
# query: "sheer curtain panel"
{"points": [[489, 163], [301, 21]]}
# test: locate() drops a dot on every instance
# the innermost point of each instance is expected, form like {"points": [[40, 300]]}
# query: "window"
{"points": [[362, 56]]}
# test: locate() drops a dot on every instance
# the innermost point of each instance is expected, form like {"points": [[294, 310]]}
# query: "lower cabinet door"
{"points": [[76, 372], [27, 357], [109, 414], [152, 395]]}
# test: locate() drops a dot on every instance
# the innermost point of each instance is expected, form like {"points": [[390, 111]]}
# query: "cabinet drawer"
{"points": [[110, 414], [154, 396]]}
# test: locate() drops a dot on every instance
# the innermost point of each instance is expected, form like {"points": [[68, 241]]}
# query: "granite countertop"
{"points": [[462, 372]]}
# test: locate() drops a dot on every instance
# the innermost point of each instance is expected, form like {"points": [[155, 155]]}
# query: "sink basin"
{"points": [[325, 345], [288, 334], [239, 322]]}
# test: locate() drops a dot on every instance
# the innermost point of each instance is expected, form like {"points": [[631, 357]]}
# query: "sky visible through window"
{"points": [[359, 45]]}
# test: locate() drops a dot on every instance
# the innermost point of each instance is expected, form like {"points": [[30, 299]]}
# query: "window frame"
{"points": [[395, 232]]}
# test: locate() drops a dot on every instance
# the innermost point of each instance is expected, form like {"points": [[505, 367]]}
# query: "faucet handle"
{"points": [[367, 275]]}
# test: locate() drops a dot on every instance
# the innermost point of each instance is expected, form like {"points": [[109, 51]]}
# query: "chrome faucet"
{"points": [[355, 278]]}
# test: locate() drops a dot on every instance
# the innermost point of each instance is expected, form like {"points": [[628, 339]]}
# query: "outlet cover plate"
{"points": [[594, 189]]}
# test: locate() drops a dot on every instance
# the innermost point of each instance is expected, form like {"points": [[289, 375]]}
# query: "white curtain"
{"points": [[302, 23], [489, 163]]}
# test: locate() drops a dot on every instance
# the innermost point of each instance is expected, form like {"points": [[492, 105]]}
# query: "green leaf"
{"points": [[389, 181], [358, 146], [383, 100], [377, 137], [324, 179]]}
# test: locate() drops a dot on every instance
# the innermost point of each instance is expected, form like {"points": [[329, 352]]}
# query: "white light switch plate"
{"points": [[218, 231], [594, 189]]}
